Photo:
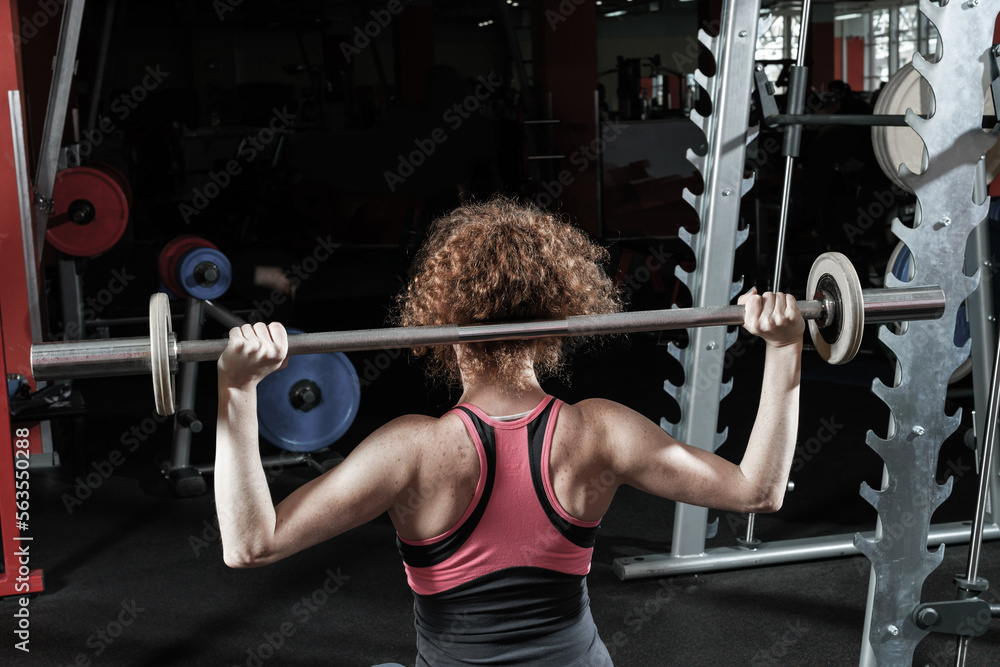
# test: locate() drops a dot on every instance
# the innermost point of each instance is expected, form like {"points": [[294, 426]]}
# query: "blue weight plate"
{"points": [[297, 431], [902, 268], [187, 271]]}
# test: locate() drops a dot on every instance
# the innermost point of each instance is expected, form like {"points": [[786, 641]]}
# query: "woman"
{"points": [[498, 552]]}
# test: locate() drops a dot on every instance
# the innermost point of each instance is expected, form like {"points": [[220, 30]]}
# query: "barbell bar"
{"points": [[835, 316]]}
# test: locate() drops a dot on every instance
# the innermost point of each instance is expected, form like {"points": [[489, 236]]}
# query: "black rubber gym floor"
{"points": [[134, 575]]}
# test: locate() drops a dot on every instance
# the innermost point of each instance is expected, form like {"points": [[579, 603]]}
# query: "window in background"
{"points": [[893, 36], [776, 47], [908, 31], [878, 46]]}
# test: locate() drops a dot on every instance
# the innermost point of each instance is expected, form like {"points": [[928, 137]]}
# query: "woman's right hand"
{"points": [[254, 352], [774, 316]]}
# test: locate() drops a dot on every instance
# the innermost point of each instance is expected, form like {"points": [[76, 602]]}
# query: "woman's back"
{"points": [[505, 584]]}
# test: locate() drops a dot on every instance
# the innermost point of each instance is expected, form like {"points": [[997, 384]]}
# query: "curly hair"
{"points": [[500, 261]]}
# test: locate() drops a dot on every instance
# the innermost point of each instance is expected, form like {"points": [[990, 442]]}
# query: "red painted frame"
{"points": [[14, 319], [14, 580]]}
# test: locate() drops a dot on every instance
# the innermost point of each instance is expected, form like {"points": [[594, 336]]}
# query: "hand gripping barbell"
{"points": [[835, 315]]}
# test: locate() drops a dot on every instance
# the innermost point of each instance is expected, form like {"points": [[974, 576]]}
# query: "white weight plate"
{"points": [[895, 145], [851, 308], [878, 135], [160, 329]]}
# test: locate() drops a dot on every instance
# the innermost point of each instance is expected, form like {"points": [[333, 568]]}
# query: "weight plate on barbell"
{"points": [[160, 328], [840, 341], [309, 404]]}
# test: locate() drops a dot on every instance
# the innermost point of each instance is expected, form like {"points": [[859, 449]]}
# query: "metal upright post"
{"points": [[948, 193], [726, 132], [949, 212], [716, 245], [71, 291], [982, 324], [97, 90], [55, 115], [186, 479], [32, 254], [793, 134], [971, 582], [979, 307]]}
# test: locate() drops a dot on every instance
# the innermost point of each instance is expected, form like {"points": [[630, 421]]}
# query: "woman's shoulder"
{"points": [[595, 412], [423, 429]]}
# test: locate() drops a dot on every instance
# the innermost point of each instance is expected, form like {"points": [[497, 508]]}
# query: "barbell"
{"points": [[835, 316]]}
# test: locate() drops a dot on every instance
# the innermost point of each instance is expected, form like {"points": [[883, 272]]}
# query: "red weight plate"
{"points": [[101, 205], [171, 256], [115, 173]]}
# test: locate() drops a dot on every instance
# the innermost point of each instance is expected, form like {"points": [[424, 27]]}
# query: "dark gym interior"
{"points": [[283, 159]]}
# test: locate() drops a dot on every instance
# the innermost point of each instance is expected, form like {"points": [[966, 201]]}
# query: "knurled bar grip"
{"points": [[131, 356]]}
